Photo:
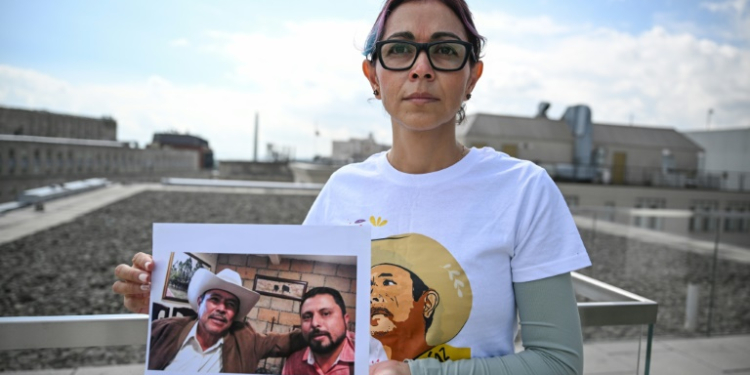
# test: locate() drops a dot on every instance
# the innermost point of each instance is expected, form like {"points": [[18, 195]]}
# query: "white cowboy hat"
{"points": [[226, 280]]}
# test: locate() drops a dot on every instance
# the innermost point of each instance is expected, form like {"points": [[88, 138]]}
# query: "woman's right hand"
{"points": [[134, 283]]}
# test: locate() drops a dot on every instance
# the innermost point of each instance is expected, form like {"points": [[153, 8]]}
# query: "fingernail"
{"points": [[145, 286], [143, 277], [148, 264]]}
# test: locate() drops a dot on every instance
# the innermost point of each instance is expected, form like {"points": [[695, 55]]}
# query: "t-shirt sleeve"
{"points": [[318, 212], [547, 242]]}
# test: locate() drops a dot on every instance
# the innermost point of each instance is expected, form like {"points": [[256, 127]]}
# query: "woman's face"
{"points": [[422, 98]]}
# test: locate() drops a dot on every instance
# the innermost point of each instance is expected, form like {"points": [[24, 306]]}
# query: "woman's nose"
{"points": [[422, 67]]}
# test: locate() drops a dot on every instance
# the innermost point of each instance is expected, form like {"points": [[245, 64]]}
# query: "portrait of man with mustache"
{"points": [[419, 298], [217, 339]]}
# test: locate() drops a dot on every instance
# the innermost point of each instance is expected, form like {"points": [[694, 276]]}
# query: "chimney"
{"points": [[541, 111]]}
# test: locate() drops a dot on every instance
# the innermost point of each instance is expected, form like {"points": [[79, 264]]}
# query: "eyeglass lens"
{"points": [[443, 55]]}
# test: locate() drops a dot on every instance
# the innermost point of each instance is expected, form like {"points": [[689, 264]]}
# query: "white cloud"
{"points": [[308, 74], [180, 42], [658, 77], [738, 16], [505, 24], [731, 5]]}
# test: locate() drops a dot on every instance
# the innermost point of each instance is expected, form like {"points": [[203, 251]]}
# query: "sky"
{"points": [[206, 68]]}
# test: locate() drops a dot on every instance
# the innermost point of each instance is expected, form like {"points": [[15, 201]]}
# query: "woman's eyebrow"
{"points": [[438, 35], [402, 34], [444, 34]]}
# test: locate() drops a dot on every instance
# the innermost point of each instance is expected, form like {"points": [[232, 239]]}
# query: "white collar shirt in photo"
{"points": [[192, 357]]}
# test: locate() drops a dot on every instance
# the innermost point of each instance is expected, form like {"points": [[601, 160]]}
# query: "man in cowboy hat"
{"points": [[420, 298], [217, 340]]}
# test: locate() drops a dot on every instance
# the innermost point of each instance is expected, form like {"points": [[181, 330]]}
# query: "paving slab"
{"points": [[694, 356], [137, 369], [674, 241], [598, 361], [731, 355], [42, 372], [27, 221]]}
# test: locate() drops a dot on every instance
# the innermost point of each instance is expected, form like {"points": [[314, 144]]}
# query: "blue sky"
{"points": [[207, 67]]}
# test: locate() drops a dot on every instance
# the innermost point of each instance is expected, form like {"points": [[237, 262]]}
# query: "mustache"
{"points": [[316, 332], [218, 316], [380, 310]]}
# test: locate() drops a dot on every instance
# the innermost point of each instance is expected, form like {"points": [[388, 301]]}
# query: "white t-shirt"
{"points": [[468, 231]]}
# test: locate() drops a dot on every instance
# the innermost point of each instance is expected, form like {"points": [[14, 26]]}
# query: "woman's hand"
{"points": [[390, 368], [135, 283]]}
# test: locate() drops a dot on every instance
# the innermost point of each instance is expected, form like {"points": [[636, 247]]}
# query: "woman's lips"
{"points": [[420, 98]]}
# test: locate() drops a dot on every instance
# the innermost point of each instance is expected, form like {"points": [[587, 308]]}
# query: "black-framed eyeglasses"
{"points": [[444, 55]]}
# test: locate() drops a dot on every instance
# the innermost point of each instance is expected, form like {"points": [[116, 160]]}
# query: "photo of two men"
{"points": [[258, 314]]}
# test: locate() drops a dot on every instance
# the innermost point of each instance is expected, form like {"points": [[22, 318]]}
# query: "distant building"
{"points": [[14, 121], [185, 142], [575, 149], [39, 148], [728, 152], [618, 168], [356, 149], [344, 152]]}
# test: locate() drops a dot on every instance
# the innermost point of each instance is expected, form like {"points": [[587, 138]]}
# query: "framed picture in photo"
{"points": [[182, 266], [282, 288]]}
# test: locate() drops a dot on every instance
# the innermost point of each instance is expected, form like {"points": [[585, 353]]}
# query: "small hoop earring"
{"points": [[376, 92], [468, 96]]}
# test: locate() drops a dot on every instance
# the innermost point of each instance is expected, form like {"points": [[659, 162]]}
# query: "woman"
{"points": [[461, 235]]}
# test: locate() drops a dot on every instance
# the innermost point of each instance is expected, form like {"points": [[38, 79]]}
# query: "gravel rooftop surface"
{"points": [[68, 270]]}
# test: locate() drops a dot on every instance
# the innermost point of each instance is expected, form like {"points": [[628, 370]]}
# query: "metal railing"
{"points": [[610, 306]]}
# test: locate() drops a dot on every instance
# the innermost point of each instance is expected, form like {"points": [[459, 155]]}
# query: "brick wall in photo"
{"points": [[284, 313]]}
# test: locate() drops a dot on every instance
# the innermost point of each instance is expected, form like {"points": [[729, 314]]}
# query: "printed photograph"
{"points": [[254, 312]]}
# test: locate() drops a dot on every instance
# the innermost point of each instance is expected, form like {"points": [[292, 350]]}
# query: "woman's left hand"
{"points": [[390, 368]]}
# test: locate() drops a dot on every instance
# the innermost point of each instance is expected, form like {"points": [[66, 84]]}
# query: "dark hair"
{"points": [[459, 8], [418, 288], [325, 290]]}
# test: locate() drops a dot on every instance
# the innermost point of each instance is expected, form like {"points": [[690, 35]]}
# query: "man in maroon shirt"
{"points": [[331, 346]]}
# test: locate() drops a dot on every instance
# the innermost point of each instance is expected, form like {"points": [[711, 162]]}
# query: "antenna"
{"points": [[255, 147]]}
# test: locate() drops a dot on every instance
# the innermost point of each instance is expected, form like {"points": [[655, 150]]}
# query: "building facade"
{"points": [[185, 142], [728, 152], [39, 148], [603, 153], [15, 121], [356, 149]]}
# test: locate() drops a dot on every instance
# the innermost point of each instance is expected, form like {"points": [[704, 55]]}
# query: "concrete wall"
{"points": [[26, 165], [250, 170], [538, 151], [727, 154], [45, 124], [726, 150]]}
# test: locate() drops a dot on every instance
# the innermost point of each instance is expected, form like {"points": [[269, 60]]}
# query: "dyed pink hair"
{"points": [[459, 8]]}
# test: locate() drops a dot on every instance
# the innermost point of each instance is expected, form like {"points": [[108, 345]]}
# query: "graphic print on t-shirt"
{"points": [[420, 298]]}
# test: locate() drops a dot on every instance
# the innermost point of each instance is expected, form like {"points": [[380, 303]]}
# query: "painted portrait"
{"points": [[420, 298]]}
